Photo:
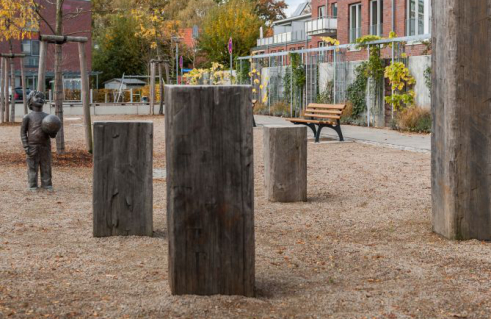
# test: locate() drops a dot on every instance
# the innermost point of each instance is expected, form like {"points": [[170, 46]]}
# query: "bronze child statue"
{"points": [[36, 131]]}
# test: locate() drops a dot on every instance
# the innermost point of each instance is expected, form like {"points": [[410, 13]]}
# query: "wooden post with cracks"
{"points": [[210, 189]]}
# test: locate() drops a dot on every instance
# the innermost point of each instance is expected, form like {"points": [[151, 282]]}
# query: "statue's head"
{"points": [[35, 99]]}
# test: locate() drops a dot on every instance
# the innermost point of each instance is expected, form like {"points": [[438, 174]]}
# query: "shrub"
{"points": [[260, 109], [347, 115], [414, 119], [280, 108]]}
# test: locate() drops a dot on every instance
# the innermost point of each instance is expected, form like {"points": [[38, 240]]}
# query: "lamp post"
{"points": [[177, 39]]}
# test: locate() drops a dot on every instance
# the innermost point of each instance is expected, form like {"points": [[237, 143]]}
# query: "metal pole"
{"points": [[334, 84], [392, 115], [177, 62], [269, 86], [231, 67], [291, 89]]}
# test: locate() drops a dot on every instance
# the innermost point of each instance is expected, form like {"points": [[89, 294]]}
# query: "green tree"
{"points": [[119, 49], [237, 19]]}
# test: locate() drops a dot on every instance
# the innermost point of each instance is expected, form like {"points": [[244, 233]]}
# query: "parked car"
{"points": [[18, 93]]}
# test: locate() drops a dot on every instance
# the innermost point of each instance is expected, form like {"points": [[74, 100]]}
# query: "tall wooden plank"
{"points": [[461, 107], [85, 96], [123, 177], [210, 189], [43, 47]]}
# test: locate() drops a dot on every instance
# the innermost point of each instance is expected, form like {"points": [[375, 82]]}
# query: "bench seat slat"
{"points": [[327, 106], [337, 112], [322, 116], [309, 121]]}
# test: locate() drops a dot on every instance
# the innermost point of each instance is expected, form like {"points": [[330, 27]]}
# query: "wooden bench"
{"points": [[318, 116]]}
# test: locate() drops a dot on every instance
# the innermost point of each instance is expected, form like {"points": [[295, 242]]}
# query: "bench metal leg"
{"points": [[336, 127]]}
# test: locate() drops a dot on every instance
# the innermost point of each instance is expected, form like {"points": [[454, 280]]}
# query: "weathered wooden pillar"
{"points": [[210, 189], [285, 163], [461, 107], [123, 189]]}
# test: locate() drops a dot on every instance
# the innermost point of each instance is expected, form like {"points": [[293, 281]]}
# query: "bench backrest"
{"points": [[324, 111]]}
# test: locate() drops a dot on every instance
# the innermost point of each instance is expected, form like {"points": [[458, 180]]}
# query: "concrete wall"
{"points": [[417, 66]]}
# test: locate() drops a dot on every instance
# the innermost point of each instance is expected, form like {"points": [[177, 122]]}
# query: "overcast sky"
{"points": [[292, 5]]}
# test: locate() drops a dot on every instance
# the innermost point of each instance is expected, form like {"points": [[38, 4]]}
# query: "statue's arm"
{"points": [[23, 132]]}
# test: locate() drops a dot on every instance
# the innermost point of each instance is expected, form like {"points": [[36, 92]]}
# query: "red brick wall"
{"points": [[81, 25]]}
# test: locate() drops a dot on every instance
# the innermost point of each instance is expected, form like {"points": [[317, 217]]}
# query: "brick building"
{"points": [[347, 20], [77, 22]]}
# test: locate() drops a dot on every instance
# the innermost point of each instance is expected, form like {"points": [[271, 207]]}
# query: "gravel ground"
{"points": [[361, 247]]}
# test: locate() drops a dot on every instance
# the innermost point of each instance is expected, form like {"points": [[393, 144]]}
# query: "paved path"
{"points": [[385, 137]]}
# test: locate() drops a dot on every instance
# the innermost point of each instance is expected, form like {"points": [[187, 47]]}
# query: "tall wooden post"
{"points": [[461, 107], [152, 87], [123, 179], [23, 84], [2, 97], [6, 89], [12, 85], [210, 189], [85, 96], [43, 47]]}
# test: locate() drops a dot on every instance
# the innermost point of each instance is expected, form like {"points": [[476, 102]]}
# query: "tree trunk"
{"points": [[6, 90], [85, 96], [152, 88], [210, 189], [43, 47], [2, 98], [12, 86], [60, 138], [123, 179], [23, 80], [461, 107], [161, 87]]}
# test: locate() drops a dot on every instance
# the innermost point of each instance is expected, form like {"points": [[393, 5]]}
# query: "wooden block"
{"points": [[210, 189], [123, 189], [461, 139], [285, 163]]}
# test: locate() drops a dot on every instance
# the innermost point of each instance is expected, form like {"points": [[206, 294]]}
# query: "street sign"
{"points": [[230, 45], [195, 32]]}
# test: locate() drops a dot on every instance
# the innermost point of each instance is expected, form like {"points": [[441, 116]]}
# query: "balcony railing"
{"points": [[377, 29], [281, 38], [419, 24], [322, 26], [354, 33]]}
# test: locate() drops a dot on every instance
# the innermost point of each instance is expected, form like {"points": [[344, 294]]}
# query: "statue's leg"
{"points": [[32, 167], [45, 157]]}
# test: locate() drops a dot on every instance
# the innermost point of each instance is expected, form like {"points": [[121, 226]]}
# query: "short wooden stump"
{"points": [[285, 163], [123, 181]]}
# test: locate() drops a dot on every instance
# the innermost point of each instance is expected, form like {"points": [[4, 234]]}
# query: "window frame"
{"points": [[425, 16], [358, 20], [379, 12]]}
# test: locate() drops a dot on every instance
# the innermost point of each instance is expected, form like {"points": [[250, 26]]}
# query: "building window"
{"points": [[376, 17], [334, 10], [354, 22], [418, 17], [321, 12], [31, 49]]}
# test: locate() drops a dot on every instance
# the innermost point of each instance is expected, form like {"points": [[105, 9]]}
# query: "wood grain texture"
{"points": [[210, 189], [285, 163], [461, 107], [123, 181]]}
